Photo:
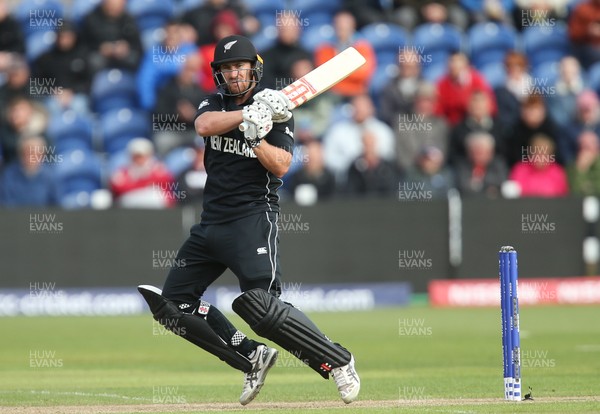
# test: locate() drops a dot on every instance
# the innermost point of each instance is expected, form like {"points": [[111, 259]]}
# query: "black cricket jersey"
{"points": [[238, 185]]}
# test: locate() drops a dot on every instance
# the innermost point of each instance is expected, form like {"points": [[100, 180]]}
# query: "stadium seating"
{"points": [[37, 43], [39, 15], [543, 44], [113, 88], [386, 40], [437, 41], [494, 73], [383, 74], [266, 11], [265, 38], [314, 36], [179, 159], [80, 9], [315, 12], [593, 77], [478, 5], [545, 74], [433, 71], [182, 6], [115, 161], [151, 14], [70, 131], [489, 42], [119, 126], [79, 175]]}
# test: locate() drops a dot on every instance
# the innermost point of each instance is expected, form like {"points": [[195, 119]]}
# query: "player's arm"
{"points": [[217, 122], [276, 160]]}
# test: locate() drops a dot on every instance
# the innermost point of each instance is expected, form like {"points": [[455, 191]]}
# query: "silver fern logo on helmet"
{"points": [[228, 45]]}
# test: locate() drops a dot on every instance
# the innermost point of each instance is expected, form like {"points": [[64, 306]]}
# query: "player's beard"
{"points": [[238, 86], [241, 84]]}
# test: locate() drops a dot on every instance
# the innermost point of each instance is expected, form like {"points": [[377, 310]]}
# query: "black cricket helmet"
{"points": [[235, 48]]}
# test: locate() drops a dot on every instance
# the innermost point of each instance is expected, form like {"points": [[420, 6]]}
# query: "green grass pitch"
{"points": [[411, 360]]}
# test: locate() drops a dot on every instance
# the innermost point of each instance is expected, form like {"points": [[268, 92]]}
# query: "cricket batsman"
{"points": [[238, 230]]}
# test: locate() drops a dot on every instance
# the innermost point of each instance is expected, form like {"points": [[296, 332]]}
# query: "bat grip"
{"points": [[243, 126]]}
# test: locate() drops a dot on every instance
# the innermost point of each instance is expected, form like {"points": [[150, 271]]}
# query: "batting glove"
{"points": [[258, 123], [277, 103]]}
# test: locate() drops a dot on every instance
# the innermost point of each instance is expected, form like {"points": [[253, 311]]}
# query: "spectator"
{"points": [[192, 180], [202, 16], [29, 180], [584, 31], [539, 12], [343, 142], [365, 11], [314, 173], [411, 13], [587, 117], [280, 57], [533, 119], [430, 175], [144, 182], [584, 171], [455, 88], [562, 103], [398, 96], [12, 40], [312, 119], [357, 83], [479, 119], [23, 118], [161, 63], [17, 82], [420, 128], [176, 106], [65, 62], [510, 95], [481, 172], [11, 35], [538, 174], [111, 36], [489, 10], [225, 23], [65, 67], [369, 174]]}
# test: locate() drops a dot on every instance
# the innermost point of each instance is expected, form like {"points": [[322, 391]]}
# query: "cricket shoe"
{"points": [[262, 361], [347, 381]]}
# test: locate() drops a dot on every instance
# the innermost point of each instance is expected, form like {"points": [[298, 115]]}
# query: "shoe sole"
{"points": [[261, 379]]}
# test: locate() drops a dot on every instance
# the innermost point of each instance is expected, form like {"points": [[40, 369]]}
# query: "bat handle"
{"points": [[243, 126]]}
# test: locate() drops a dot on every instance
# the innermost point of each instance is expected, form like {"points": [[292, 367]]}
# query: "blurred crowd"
{"points": [[494, 98]]}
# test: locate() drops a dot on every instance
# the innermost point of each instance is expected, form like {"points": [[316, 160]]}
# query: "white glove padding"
{"points": [[277, 103], [258, 122]]}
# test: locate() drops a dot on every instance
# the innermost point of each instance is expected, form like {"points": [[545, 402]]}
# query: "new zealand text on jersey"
{"points": [[231, 145]]}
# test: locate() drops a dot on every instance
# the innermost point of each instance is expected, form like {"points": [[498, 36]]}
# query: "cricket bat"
{"points": [[321, 79]]}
